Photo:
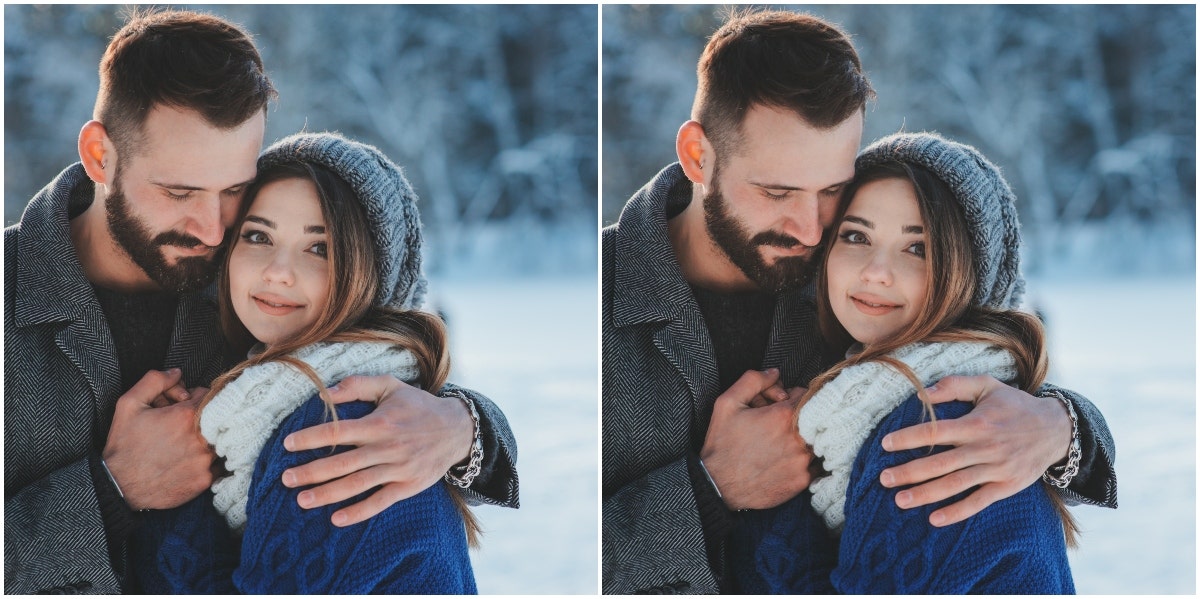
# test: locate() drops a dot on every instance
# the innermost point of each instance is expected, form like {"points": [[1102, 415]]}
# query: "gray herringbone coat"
{"points": [[659, 382], [61, 382]]}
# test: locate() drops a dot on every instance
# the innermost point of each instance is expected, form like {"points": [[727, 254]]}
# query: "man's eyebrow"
{"points": [[170, 185], [859, 220], [767, 185], [262, 221]]}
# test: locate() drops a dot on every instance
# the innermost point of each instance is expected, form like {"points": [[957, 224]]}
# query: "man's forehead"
{"points": [[779, 148]]}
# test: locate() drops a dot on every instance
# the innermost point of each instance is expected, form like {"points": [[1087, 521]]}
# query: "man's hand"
{"points": [[1003, 446], [754, 454], [406, 445], [157, 455]]}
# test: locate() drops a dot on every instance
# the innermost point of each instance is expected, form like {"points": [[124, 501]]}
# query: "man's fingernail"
{"points": [[886, 478], [903, 498], [937, 519], [172, 370], [289, 478], [340, 519], [931, 388], [305, 499], [887, 442], [185, 395]]}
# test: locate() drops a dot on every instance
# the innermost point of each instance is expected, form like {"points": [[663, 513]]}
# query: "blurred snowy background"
{"points": [[492, 110], [1091, 113]]}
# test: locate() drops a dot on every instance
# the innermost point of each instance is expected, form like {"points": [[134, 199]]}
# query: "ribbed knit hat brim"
{"points": [[387, 198], [987, 201]]}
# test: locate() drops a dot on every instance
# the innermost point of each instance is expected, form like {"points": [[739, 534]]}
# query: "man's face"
{"points": [[769, 202], [173, 198]]}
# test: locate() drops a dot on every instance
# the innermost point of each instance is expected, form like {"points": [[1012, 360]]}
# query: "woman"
{"points": [[322, 281], [918, 282]]}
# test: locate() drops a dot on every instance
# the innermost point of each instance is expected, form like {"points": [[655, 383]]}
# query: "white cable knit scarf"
{"points": [[243, 416], [840, 417]]}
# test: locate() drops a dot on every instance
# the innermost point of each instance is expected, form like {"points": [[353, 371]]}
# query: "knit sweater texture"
{"points": [[258, 539], [1014, 546]]}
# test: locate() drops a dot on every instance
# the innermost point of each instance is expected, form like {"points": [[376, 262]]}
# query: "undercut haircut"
{"points": [[785, 60], [182, 59]]}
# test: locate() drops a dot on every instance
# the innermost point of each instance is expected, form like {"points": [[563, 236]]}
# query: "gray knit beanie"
{"points": [[387, 199], [987, 202]]}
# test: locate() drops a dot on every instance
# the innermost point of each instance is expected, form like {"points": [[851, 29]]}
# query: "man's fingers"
{"points": [[153, 384], [943, 487], [928, 468], [960, 388], [329, 434], [363, 388], [342, 488], [926, 434], [177, 393], [749, 386], [970, 505], [378, 501], [330, 468]]}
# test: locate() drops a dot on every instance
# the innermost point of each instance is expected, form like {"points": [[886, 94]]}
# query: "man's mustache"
{"points": [[178, 239], [775, 239]]}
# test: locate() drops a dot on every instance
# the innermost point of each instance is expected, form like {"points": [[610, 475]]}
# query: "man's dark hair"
{"points": [[181, 59], [785, 60]]}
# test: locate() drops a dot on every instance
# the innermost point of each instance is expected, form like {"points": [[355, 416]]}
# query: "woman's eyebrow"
{"points": [[262, 221]]}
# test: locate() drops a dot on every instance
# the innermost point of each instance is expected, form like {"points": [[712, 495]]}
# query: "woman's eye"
{"points": [[853, 237], [917, 249], [255, 237], [320, 249]]}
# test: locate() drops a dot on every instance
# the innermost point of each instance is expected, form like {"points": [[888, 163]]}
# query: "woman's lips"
{"points": [[275, 306], [872, 306]]}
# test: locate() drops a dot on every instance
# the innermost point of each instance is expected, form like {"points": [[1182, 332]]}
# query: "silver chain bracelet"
{"points": [[1061, 476], [463, 476]]}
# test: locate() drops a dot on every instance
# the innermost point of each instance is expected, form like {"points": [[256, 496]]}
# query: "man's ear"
{"points": [[695, 153], [97, 153]]}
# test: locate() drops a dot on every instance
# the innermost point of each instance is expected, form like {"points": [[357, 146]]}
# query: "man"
{"points": [[108, 276], [707, 275]]}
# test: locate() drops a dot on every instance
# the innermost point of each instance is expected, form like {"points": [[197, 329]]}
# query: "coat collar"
{"points": [[648, 277], [51, 286]]}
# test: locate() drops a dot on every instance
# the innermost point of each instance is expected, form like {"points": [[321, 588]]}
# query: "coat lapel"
{"points": [[650, 290]]}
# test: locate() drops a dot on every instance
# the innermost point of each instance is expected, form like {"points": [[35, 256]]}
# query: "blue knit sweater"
{"points": [[416, 546], [1014, 546]]}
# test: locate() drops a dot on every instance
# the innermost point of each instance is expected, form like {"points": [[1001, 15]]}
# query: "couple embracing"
{"points": [[815, 377], [286, 427]]}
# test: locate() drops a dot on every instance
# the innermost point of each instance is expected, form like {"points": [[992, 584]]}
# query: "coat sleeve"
{"points": [[1096, 483], [497, 481], [54, 536], [1016, 545], [417, 545]]}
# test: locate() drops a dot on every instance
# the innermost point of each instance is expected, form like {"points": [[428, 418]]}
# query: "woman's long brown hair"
{"points": [[947, 313], [350, 314]]}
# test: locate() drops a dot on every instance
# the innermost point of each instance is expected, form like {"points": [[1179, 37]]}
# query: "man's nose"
{"points": [[804, 223], [205, 221]]}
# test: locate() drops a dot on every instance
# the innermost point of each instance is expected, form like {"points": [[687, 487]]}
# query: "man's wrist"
{"points": [[464, 473], [1061, 474]]}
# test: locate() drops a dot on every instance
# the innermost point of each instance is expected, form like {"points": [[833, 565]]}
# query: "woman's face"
{"points": [[279, 266], [876, 267]]}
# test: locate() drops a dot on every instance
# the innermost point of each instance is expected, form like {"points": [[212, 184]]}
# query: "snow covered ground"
{"points": [[531, 345], [1129, 345]]}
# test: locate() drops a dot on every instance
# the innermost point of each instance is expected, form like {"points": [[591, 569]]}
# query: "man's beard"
{"points": [[187, 274], [787, 273]]}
